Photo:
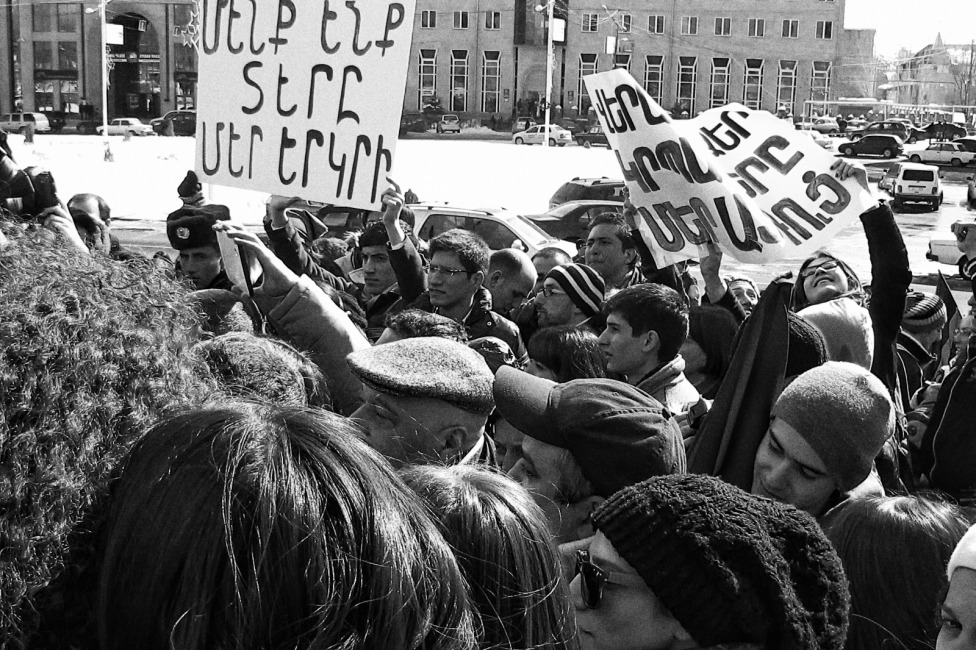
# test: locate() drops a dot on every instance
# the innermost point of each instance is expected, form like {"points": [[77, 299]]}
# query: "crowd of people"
{"points": [[336, 435]]}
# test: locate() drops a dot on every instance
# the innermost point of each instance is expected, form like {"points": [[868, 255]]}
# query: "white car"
{"points": [[944, 153], [825, 125], [558, 136], [124, 125], [449, 124], [498, 227], [22, 122]]}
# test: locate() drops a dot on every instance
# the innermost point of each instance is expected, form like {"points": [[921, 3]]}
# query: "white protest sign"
{"points": [[302, 97], [740, 178]]}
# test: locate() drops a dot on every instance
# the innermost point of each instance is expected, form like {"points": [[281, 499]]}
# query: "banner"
{"points": [[740, 178], [302, 97]]}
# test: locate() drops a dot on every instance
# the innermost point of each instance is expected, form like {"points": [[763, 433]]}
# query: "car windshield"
{"points": [[531, 233], [918, 175]]}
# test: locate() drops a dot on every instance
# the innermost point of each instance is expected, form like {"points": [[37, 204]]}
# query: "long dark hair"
{"points": [[895, 551], [855, 291], [571, 352], [503, 545], [714, 329], [256, 526]]}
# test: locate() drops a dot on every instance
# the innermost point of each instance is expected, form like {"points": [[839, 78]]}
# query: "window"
{"points": [[655, 24], [428, 19], [186, 92], [67, 55], [67, 18], [69, 96], [621, 61], [825, 30], [791, 28], [44, 95], [44, 55], [723, 26], [587, 65], [752, 84], [459, 80], [460, 20], [654, 77], [820, 80], [687, 80], [757, 27], [625, 22], [427, 84], [493, 20], [718, 94], [786, 85], [589, 22], [491, 81], [689, 25], [43, 17]]}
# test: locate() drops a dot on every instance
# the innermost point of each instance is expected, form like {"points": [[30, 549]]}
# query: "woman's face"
{"points": [[537, 369], [823, 279], [958, 613]]}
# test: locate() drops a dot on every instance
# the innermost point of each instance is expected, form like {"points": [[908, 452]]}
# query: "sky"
{"points": [[912, 23]]}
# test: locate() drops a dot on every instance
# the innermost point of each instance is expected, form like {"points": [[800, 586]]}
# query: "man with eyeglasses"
{"points": [[570, 295], [692, 562]]}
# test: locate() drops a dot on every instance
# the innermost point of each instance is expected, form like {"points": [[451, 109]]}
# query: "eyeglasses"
{"points": [[443, 270], [964, 330], [549, 291], [592, 579], [829, 265]]}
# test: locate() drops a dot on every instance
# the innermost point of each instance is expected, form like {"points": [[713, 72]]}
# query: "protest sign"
{"points": [[740, 178], [302, 97]]}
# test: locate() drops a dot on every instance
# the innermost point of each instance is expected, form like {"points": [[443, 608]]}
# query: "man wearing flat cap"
{"points": [[584, 440], [190, 232], [427, 400]]}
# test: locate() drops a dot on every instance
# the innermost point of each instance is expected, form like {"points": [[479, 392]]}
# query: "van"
{"points": [[917, 184], [21, 122]]}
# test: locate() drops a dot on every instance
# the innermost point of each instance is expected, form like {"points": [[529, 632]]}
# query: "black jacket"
{"points": [[482, 321]]}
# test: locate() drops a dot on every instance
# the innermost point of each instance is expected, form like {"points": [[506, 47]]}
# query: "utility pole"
{"points": [[104, 29], [616, 36], [550, 56]]}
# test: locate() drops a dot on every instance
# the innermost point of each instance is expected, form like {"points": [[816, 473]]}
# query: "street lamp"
{"points": [[104, 26], [550, 55]]}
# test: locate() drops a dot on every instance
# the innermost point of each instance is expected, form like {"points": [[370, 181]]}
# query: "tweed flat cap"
{"points": [[430, 367]]}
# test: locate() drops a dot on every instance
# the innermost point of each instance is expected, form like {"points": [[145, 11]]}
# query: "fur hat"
{"points": [[430, 367], [582, 284], [964, 556], [844, 413], [729, 566], [192, 227], [924, 312], [846, 328]]}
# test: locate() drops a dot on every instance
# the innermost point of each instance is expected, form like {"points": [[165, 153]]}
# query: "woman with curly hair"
{"points": [[258, 526]]}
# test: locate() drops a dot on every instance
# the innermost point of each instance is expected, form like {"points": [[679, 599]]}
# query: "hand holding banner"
{"points": [[737, 177]]}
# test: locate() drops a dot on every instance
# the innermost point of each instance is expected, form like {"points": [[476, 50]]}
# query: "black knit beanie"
{"points": [[807, 347], [729, 566]]}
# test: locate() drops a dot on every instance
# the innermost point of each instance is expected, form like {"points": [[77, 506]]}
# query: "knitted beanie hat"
{"points": [[807, 347], [729, 566], [582, 284], [844, 413], [924, 312], [846, 328]]}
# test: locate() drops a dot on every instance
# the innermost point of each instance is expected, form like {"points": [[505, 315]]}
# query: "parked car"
{"points": [[413, 123], [825, 125], [906, 132], [558, 136], [943, 247], [888, 180], [596, 189], [56, 119], [593, 135], [886, 146], [523, 123], [825, 142], [500, 228], [571, 220], [945, 131], [126, 125], [944, 153], [184, 122], [968, 143], [449, 123], [916, 183], [20, 122], [572, 126]]}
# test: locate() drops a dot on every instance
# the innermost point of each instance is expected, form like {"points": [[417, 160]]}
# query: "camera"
{"points": [[25, 192]]}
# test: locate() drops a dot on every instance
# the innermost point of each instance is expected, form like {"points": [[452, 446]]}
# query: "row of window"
{"points": [[723, 26], [491, 80], [493, 19], [56, 17]]}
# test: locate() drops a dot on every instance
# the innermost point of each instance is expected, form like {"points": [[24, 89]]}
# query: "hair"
{"points": [[264, 369], [94, 351], [472, 251], [328, 249], [571, 352], [257, 526], [621, 229], [503, 546], [104, 211], [346, 303], [374, 235], [508, 260], [798, 298], [895, 551], [656, 307], [714, 329], [412, 323], [558, 255]]}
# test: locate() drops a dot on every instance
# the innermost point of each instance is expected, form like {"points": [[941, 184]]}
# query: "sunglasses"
{"points": [[593, 578], [829, 265]]}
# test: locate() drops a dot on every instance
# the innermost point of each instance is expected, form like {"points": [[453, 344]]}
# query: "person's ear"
{"points": [[453, 445], [477, 278], [494, 279], [651, 341], [631, 255]]}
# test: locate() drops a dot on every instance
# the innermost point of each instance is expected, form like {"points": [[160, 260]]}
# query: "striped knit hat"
{"points": [[924, 312], [583, 285]]}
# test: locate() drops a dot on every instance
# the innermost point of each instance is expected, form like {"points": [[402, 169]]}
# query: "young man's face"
{"points": [[744, 293], [788, 470], [449, 283], [540, 471], [200, 265], [553, 305], [624, 351], [605, 252], [509, 291], [377, 272]]}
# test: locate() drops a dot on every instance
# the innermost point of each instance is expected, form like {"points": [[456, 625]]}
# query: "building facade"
{"points": [[939, 73]]}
